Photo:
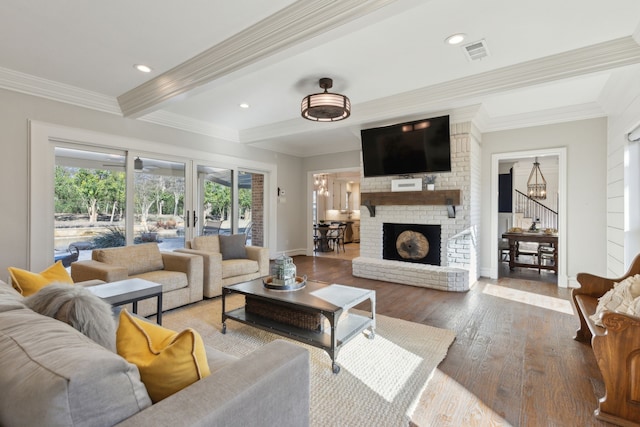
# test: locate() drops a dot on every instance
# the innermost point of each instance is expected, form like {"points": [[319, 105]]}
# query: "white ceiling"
{"points": [[548, 61]]}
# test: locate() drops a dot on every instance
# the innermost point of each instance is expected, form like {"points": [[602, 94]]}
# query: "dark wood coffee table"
{"points": [[330, 301]]}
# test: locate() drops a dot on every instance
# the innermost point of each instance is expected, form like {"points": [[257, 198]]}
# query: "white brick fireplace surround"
{"points": [[459, 266]]}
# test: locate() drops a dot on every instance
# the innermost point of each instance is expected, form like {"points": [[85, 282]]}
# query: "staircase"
{"points": [[530, 209]]}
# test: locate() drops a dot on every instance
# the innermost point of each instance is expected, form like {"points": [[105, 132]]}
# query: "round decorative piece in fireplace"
{"points": [[417, 243], [412, 245]]}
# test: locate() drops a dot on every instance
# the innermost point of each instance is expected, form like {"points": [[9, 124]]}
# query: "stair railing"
{"points": [[531, 208]]}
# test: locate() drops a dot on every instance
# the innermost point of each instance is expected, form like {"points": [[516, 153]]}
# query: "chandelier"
{"points": [[325, 106], [536, 185], [321, 185]]}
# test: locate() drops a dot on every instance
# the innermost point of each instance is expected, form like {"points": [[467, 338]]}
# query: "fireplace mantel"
{"points": [[449, 198]]}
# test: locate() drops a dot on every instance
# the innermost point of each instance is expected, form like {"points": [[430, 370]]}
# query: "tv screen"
{"points": [[407, 148]]}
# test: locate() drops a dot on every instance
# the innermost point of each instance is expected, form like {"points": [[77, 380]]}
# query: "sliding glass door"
{"points": [[230, 202], [159, 201], [214, 200], [89, 201]]}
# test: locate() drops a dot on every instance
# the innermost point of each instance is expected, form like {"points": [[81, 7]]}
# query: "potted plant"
{"points": [[430, 181]]}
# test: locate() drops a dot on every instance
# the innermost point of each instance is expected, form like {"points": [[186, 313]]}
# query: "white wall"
{"points": [[586, 143], [623, 191], [15, 111]]}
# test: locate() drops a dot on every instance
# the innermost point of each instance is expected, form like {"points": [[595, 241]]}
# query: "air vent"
{"points": [[476, 51]]}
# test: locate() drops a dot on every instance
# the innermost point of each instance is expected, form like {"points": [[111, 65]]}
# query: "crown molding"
{"points": [[43, 88], [448, 95], [292, 25], [188, 124], [591, 59], [585, 111], [620, 91]]}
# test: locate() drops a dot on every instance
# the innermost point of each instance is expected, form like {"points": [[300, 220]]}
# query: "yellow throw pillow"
{"points": [[168, 361], [28, 283]]}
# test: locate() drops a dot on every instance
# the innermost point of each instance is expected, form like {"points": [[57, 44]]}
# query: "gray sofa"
{"points": [[179, 274], [51, 374]]}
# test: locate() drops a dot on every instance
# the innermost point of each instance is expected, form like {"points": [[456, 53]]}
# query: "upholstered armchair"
{"points": [[181, 275], [227, 261]]}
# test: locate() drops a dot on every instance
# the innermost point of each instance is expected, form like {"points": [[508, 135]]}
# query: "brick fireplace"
{"points": [[458, 269]]}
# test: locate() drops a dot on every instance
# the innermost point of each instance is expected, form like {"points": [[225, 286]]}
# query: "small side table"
{"points": [[130, 291]]}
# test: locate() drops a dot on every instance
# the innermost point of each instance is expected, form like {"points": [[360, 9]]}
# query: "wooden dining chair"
{"points": [[337, 237]]}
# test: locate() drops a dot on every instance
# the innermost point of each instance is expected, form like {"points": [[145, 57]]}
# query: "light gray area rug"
{"points": [[380, 381]]}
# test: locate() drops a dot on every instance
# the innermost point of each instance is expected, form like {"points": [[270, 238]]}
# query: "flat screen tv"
{"points": [[407, 148]]}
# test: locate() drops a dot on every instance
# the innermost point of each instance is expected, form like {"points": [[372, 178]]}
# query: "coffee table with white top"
{"points": [[130, 291], [332, 301]]}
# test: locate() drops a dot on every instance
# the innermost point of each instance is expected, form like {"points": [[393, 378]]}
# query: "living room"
{"points": [[587, 76]]}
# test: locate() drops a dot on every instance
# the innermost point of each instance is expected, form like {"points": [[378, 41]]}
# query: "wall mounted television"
{"points": [[407, 148]]}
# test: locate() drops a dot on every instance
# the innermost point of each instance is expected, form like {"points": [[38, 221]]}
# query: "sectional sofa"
{"points": [[51, 374]]}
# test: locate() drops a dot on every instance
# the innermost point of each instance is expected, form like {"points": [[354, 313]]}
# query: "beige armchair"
{"points": [[221, 271], [181, 275]]}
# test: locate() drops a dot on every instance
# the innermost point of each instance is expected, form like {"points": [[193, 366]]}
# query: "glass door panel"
{"points": [[215, 196], [89, 202], [158, 195]]}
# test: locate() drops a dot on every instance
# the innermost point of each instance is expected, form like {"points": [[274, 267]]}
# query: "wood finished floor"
{"points": [[512, 363]]}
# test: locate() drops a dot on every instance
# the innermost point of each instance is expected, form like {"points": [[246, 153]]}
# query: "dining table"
{"points": [[323, 240], [540, 237]]}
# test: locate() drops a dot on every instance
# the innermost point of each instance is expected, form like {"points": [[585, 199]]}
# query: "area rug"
{"points": [[380, 381]]}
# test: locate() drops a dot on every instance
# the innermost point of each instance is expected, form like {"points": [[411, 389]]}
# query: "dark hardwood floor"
{"points": [[513, 362]]}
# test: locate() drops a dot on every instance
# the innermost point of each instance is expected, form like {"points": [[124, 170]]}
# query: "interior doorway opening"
{"points": [[508, 216]]}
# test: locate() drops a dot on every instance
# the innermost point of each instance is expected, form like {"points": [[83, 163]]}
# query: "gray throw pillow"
{"points": [[232, 247], [78, 307]]}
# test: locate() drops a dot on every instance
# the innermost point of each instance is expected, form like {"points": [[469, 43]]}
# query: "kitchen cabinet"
{"points": [[340, 189], [355, 227], [354, 201], [346, 195]]}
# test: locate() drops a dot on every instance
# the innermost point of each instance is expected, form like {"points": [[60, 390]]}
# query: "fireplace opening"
{"points": [[418, 243]]}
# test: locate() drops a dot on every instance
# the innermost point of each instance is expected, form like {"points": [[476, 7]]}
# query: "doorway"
{"points": [[334, 220], [498, 225]]}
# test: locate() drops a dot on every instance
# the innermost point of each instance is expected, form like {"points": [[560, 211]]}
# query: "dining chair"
{"points": [[337, 237], [316, 238]]}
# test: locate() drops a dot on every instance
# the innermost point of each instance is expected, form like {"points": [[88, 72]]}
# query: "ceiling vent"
{"points": [[476, 51]]}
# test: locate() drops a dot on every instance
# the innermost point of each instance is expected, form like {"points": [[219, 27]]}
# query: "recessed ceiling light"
{"points": [[244, 105], [455, 38], [143, 68]]}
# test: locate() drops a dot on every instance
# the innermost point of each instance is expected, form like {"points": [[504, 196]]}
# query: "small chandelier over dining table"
{"points": [[320, 184], [537, 185], [325, 106]]}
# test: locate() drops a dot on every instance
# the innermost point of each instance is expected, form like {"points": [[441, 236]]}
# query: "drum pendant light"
{"points": [[325, 106]]}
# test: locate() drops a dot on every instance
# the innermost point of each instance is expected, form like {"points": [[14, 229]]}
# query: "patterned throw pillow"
{"points": [[619, 299]]}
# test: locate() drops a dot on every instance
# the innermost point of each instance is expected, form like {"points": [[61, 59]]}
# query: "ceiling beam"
{"points": [[292, 25]]}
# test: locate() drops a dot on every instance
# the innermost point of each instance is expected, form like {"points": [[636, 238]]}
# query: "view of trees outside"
{"points": [[90, 192], [157, 196], [96, 199], [217, 201]]}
